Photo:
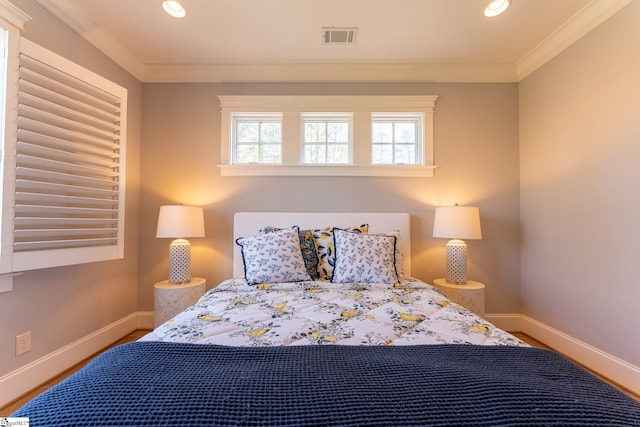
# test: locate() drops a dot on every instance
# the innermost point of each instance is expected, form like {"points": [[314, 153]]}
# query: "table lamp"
{"points": [[457, 223], [179, 222]]}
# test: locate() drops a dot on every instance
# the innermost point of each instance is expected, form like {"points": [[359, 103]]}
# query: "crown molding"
{"points": [[588, 18]]}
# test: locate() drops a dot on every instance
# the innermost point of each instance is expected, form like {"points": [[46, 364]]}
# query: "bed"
{"points": [[322, 324]]}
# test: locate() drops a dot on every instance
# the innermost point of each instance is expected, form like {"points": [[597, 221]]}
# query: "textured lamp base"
{"points": [[456, 262], [180, 261]]}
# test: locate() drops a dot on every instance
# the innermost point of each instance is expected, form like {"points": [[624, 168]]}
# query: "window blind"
{"points": [[69, 175]]}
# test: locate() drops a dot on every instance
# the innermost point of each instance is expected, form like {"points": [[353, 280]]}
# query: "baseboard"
{"points": [[23, 380], [145, 320], [508, 322], [604, 364]]}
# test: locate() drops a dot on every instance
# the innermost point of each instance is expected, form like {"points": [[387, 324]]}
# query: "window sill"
{"points": [[6, 281], [408, 171]]}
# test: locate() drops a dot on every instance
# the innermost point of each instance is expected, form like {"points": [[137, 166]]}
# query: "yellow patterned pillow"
{"points": [[326, 250]]}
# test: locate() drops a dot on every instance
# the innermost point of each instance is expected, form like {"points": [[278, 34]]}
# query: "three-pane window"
{"points": [[327, 135]]}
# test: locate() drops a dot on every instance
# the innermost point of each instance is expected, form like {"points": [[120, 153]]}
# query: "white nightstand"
{"points": [[170, 298], [469, 295]]}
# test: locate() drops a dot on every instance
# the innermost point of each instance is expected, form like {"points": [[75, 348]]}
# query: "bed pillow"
{"points": [[273, 257], [307, 247], [398, 253], [309, 255], [325, 249], [364, 258]]}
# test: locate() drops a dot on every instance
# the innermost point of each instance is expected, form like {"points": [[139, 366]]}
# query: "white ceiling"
{"points": [[399, 40]]}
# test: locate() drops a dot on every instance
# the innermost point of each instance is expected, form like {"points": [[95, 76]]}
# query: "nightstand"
{"points": [[170, 298], [469, 295]]}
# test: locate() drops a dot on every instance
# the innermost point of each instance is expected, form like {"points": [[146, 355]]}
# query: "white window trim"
{"points": [[406, 171], [12, 20], [10, 260], [360, 106]]}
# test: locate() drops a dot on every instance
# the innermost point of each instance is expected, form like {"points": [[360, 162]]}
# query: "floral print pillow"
{"points": [[398, 254], [364, 258], [307, 247], [273, 257], [325, 249]]}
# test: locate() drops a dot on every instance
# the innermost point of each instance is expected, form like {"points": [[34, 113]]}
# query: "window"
{"points": [[6, 282], [258, 139], [64, 164], [12, 21], [326, 139], [327, 135], [396, 139]]}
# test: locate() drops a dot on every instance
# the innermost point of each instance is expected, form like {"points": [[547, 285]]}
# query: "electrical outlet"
{"points": [[23, 343]]}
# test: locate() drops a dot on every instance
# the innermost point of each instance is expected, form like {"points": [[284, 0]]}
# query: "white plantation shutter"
{"points": [[69, 169]]}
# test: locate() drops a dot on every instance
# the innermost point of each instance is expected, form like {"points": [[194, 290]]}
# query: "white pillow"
{"points": [[364, 258], [273, 257], [325, 249], [398, 254]]}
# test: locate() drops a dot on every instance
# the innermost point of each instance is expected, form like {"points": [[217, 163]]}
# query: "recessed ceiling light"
{"points": [[174, 8], [496, 7]]}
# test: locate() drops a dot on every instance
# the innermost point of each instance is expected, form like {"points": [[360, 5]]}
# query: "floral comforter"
{"points": [[320, 312]]}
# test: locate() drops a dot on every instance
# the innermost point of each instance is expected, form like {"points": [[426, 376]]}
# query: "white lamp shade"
{"points": [[180, 221], [457, 222]]}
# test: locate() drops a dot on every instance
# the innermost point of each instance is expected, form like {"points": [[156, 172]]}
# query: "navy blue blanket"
{"points": [[149, 383]]}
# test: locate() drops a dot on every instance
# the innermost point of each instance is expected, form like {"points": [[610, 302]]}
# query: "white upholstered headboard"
{"points": [[249, 223]]}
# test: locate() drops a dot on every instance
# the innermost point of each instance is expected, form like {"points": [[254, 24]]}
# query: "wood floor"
{"points": [[16, 404]]}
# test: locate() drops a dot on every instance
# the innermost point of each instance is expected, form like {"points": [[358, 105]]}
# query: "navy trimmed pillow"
{"points": [[307, 247], [399, 255], [364, 258], [273, 257], [325, 249]]}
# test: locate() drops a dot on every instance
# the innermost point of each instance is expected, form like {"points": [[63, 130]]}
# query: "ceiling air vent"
{"points": [[335, 35]]}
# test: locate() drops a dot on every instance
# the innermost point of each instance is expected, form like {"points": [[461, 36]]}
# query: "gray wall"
{"points": [[579, 151], [476, 150], [61, 305]]}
